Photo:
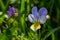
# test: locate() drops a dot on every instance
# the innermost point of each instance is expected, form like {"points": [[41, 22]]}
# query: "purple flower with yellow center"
{"points": [[11, 11], [37, 17]]}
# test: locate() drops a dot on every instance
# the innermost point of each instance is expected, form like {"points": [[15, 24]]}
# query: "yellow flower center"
{"points": [[36, 26]]}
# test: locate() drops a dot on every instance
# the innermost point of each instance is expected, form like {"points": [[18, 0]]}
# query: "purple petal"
{"points": [[35, 13], [34, 10], [42, 19], [43, 11], [10, 11]]}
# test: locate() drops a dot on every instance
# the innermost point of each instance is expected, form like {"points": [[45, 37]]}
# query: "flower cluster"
{"points": [[37, 17]]}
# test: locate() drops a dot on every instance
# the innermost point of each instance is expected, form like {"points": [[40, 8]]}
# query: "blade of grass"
{"points": [[28, 6], [51, 7], [23, 23], [49, 33], [22, 6], [2, 5], [53, 36], [58, 16]]}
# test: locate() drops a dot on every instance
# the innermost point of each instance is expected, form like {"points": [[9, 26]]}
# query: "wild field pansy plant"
{"points": [[11, 11], [37, 17]]}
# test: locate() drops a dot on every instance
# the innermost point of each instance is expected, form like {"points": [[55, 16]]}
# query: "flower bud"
{"points": [[48, 17]]}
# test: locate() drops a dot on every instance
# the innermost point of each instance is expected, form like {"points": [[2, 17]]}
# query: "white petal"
{"points": [[31, 18], [42, 21]]}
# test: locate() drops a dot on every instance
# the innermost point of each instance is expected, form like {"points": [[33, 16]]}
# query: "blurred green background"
{"points": [[18, 27]]}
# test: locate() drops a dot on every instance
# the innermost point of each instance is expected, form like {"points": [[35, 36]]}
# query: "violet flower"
{"points": [[10, 11], [37, 17]]}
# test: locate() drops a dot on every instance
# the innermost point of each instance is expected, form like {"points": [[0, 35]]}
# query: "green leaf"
{"points": [[23, 22], [3, 37], [1, 19], [22, 6], [58, 16], [49, 33], [13, 29]]}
